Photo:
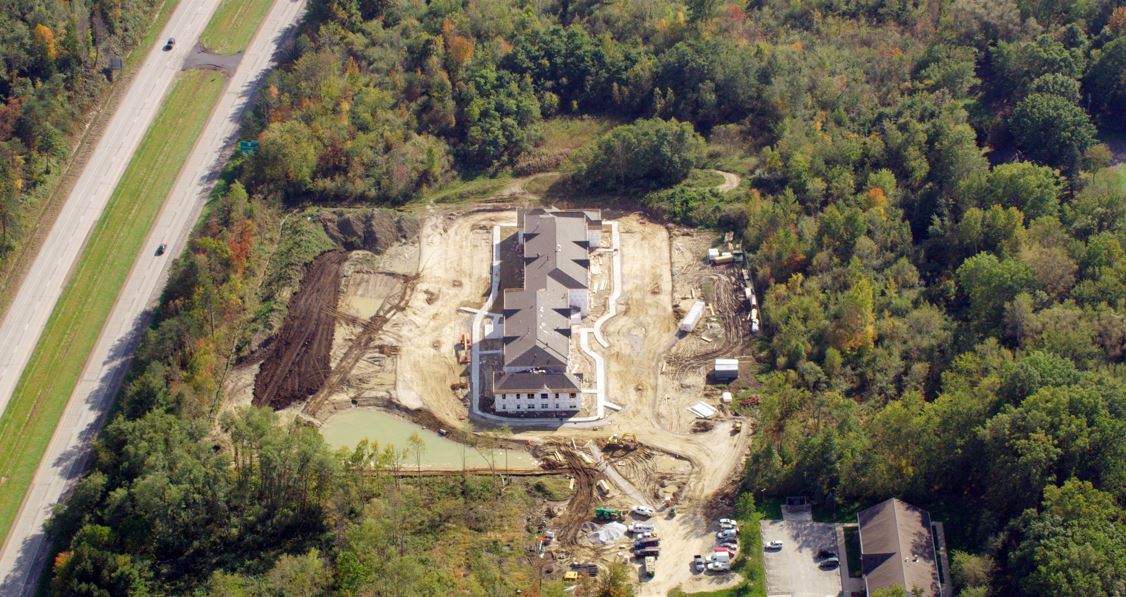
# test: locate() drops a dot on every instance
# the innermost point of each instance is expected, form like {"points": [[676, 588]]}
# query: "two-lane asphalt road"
{"points": [[25, 547]]}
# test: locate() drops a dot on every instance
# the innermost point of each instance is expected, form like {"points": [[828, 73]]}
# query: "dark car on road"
{"points": [[161, 249], [168, 45]]}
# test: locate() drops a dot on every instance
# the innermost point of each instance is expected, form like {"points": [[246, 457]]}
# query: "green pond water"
{"points": [[346, 428]]}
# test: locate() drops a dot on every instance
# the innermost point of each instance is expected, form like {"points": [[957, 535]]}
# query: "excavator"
{"points": [[625, 441]]}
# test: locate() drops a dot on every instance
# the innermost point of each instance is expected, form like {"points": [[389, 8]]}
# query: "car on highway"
{"points": [[698, 563], [774, 546], [161, 249], [829, 563], [168, 45], [642, 510]]}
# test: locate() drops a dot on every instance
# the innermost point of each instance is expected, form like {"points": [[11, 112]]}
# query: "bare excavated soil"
{"points": [[296, 364]]}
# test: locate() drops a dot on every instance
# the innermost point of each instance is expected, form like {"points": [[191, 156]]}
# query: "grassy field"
{"points": [[37, 207], [233, 25], [70, 334]]}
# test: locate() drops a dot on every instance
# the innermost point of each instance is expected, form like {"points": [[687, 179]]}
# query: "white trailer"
{"points": [[693, 317]]}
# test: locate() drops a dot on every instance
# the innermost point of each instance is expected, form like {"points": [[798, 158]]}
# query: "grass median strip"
{"points": [[68, 339], [233, 25]]}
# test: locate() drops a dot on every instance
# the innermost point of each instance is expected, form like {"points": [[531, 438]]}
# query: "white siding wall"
{"points": [[534, 402]]}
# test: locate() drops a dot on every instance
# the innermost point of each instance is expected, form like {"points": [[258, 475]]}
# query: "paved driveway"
{"points": [[792, 571]]}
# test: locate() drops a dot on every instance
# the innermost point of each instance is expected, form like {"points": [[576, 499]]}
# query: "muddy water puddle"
{"points": [[347, 428]]}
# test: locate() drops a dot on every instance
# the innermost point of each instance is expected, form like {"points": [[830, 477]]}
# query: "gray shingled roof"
{"points": [[555, 247], [897, 547], [537, 326]]}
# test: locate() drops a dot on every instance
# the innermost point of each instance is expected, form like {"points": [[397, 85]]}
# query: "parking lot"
{"points": [[793, 570]]}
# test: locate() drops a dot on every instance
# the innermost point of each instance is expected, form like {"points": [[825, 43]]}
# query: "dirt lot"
{"points": [[296, 363], [455, 252]]}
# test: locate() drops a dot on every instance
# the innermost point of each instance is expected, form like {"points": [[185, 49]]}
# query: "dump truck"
{"points": [[607, 514]]}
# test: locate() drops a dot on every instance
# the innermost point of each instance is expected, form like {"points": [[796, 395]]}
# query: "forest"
{"points": [[933, 210], [54, 59]]}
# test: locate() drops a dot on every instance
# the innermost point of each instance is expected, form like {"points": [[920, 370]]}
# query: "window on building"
{"points": [[543, 396], [545, 406], [556, 406]]}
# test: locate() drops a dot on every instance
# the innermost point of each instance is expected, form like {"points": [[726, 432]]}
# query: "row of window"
{"points": [[543, 395]]}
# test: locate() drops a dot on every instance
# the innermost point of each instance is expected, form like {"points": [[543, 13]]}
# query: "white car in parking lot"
{"points": [[727, 534], [727, 523], [774, 546]]}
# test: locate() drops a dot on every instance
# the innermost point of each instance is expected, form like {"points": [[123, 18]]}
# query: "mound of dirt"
{"points": [[296, 363], [373, 230]]}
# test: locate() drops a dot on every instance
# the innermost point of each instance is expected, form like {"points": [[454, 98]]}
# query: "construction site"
{"points": [[389, 325]]}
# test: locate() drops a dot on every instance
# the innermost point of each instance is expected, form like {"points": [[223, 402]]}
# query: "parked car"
{"points": [[726, 534], [169, 44], [641, 527], [825, 554], [719, 566], [774, 546], [829, 564], [727, 523], [725, 550], [720, 556], [698, 563], [731, 546], [645, 511]]}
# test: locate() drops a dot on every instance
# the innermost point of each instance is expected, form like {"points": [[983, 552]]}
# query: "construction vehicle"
{"points": [[463, 349], [624, 441], [607, 514], [737, 427], [650, 565]]}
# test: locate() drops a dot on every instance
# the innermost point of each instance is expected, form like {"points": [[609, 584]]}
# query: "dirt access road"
{"points": [[25, 546]]}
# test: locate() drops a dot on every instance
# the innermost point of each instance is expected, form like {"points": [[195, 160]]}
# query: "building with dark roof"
{"points": [[898, 549], [555, 247]]}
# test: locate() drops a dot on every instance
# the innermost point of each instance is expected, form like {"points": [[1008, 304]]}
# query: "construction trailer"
{"points": [[726, 369], [693, 317]]}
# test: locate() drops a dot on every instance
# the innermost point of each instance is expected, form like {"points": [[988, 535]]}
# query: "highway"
{"points": [[40, 289], [25, 547]]}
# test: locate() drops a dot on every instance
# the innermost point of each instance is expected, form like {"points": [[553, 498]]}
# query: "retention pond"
{"points": [[347, 428]]}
